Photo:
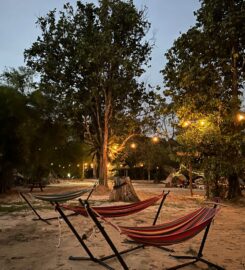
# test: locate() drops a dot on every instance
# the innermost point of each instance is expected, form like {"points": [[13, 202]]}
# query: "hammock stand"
{"points": [[52, 198], [188, 227], [123, 209]]}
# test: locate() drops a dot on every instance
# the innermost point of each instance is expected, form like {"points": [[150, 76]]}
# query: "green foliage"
{"points": [[204, 77], [147, 155], [89, 59], [12, 114], [21, 78], [32, 137]]}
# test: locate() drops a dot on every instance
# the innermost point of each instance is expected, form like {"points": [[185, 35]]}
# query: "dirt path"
{"points": [[29, 245]]}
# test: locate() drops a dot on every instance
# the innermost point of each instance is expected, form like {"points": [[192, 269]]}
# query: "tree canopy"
{"points": [[89, 59], [204, 76]]}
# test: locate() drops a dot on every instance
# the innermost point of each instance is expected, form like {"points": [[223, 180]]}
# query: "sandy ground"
{"points": [[32, 245]]}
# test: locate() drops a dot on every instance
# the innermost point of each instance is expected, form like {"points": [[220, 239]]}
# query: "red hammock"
{"points": [[173, 232], [117, 210], [166, 234]]}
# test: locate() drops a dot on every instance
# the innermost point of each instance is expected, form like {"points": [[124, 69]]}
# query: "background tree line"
{"points": [[90, 59]]}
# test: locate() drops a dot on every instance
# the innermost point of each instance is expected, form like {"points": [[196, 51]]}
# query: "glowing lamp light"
{"points": [[133, 145], [155, 139], [78, 165], [202, 123], [240, 117], [186, 124], [68, 175]]}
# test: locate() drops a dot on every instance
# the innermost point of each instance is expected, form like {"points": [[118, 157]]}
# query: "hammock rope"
{"points": [[59, 235], [105, 220]]}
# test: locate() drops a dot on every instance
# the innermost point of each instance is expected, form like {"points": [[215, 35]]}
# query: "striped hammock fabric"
{"points": [[173, 232], [62, 197], [116, 211]]}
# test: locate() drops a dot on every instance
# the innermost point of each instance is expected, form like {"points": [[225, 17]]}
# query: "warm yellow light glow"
{"points": [[92, 165], [115, 147], [141, 165], [133, 145], [155, 139], [68, 175], [78, 165], [186, 124], [240, 117], [202, 122]]}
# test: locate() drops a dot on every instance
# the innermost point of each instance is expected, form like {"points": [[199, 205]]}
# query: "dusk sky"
{"points": [[18, 29]]}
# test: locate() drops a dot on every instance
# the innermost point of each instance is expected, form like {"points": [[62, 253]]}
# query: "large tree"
{"points": [[89, 59], [204, 77]]}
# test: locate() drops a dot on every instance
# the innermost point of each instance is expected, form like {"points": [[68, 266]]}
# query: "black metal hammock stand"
{"points": [[53, 198], [109, 211], [177, 231]]}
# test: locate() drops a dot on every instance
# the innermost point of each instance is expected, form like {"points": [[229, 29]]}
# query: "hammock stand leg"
{"points": [[70, 215], [138, 246], [199, 255], [34, 210], [155, 221], [106, 237], [159, 208], [143, 246], [79, 238], [156, 218], [104, 258], [46, 220]]}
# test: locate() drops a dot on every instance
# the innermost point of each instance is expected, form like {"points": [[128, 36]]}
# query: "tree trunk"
{"points": [[234, 190], [123, 190], [105, 153], [190, 179], [104, 158], [234, 78], [101, 170], [149, 174], [207, 187]]}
